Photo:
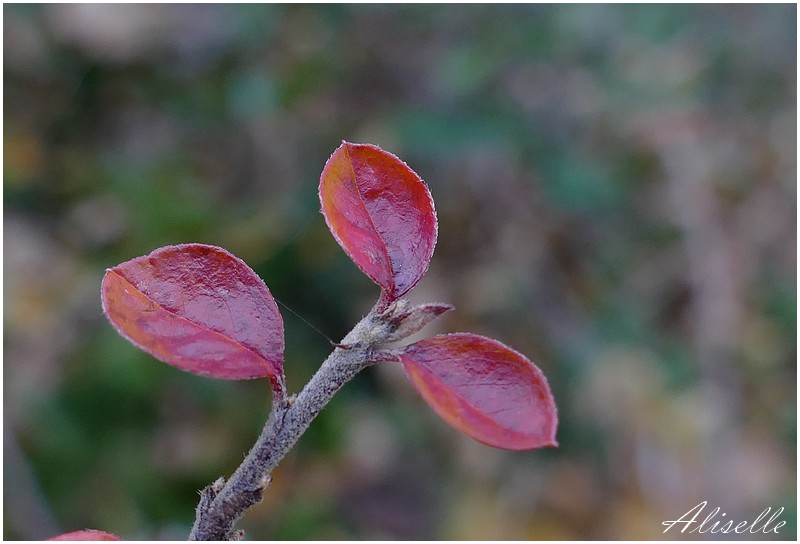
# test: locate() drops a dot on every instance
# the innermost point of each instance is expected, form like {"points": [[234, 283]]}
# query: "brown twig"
{"points": [[223, 503]]}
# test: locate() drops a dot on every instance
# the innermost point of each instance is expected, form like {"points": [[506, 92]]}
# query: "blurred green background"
{"points": [[616, 192]]}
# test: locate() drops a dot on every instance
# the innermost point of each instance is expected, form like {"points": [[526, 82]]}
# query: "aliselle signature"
{"points": [[761, 524]]}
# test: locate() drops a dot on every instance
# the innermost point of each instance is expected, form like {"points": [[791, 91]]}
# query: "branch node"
{"points": [[385, 356], [223, 503], [348, 346]]}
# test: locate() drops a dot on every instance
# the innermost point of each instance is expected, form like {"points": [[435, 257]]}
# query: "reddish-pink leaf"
{"points": [[484, 389], [381, 213], [198, 308], [86, 534]]}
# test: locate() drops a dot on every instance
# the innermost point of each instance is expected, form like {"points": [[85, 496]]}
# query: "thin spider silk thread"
{"points": [[304, 320]]}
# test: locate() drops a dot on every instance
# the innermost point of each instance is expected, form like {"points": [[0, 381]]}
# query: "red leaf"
{"points": [[484, 389], [86, 534], [381, 213], [198, 308]]}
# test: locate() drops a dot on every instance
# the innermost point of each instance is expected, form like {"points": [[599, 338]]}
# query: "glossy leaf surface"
{"points": [[199, 308], [86, 534], [484, 389], [381, 213]]}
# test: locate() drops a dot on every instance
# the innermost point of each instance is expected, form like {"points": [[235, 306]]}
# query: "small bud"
{"points": [[410, 320]]}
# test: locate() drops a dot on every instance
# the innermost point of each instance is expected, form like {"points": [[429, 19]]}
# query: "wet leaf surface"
{"points": [[381, 213], [484, 389], [199, 308]]}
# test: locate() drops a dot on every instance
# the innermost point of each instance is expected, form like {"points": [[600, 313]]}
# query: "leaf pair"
{"points": [[199, 308], [381, 213]]}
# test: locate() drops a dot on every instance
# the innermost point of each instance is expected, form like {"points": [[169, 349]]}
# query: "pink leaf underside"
{"points": [[381, 213], [484, 389], [86, 534], [198, 308]]}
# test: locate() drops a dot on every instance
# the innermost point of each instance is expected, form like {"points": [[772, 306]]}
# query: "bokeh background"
{"points": [[616, 192]]}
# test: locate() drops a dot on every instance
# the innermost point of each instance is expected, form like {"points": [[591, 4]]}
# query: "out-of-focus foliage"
{"points": [[616, 190]]}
